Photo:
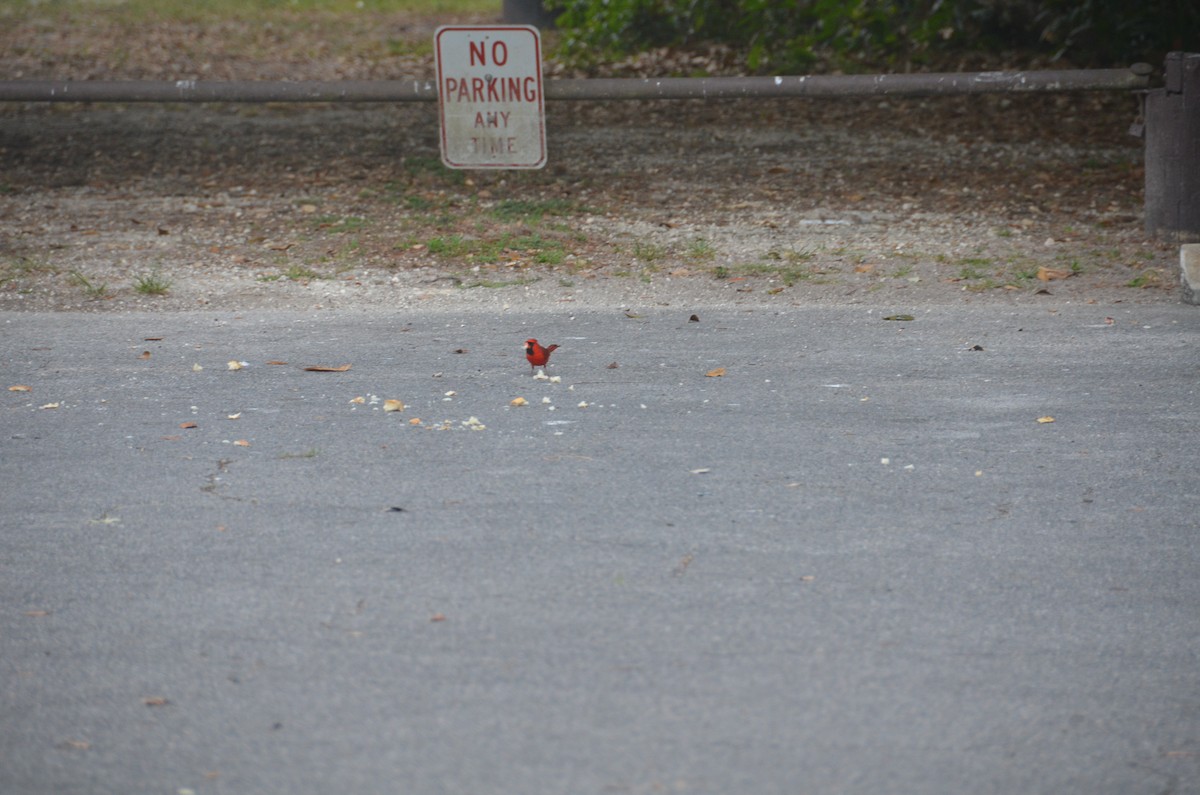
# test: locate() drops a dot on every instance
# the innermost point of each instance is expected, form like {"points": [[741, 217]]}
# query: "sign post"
{"points": [[490, 96]]}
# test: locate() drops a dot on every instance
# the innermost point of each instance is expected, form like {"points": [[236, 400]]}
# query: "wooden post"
{"points": [[1173, 151]]}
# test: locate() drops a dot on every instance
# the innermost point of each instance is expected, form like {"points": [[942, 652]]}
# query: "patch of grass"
{"points": [[419, 204], [699, 250], [535, 210], [301, 273], [23, 268], [1025, 275], [89, 288], [451, 246], [153, 283], [647, 252], [349, 223], [1151, 277]]}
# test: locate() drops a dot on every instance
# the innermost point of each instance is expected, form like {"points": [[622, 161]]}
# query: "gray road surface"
{"points": [[854, 563]]}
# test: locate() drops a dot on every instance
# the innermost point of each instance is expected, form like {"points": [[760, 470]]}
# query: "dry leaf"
{"points": [[155, 701], [613, 366], [276, 361], [318, 368], [1045, 420], [188, 425], [701, 471], [1049, 274], [144, 355], [717, 373], [437, 617], [903, 318], [196, 368], [358, 400], [415, 421], [393, 405], [20, 388], [242, 443], [152, 339], [863, 268], [235, 365], [49, 406], [518, 401], [237, 416]]}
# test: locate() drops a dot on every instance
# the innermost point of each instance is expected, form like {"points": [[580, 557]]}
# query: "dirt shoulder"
{"points": [[986, 199]]}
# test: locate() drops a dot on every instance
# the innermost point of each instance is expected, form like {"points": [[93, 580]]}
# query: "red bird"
{"points": [[536, 354]]}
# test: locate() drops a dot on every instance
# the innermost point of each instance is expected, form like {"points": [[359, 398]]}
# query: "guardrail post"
{"points": [[1173, 151]]}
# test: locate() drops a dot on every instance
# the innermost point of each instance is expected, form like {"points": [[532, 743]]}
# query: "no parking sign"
{"points": [[490, 96]]}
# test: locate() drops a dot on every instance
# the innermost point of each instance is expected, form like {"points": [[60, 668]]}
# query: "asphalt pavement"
{"points": [[800, 551]]}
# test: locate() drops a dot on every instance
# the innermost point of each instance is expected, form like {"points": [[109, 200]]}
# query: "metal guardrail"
{"points": [[601, 89]]}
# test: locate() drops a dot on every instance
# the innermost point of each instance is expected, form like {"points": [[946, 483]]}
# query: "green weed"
{"points": [[153, 283]]}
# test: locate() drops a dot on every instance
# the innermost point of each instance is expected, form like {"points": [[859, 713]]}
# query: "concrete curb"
{"points": [[1189, 272]]}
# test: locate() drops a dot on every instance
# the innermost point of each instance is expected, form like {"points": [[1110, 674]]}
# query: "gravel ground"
{"points": [[983, 199]]}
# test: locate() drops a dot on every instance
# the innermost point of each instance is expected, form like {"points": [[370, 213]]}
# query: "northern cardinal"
{"points": [[536, 354]]}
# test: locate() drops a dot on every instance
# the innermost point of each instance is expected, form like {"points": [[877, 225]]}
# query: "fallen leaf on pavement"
{"points": [[188, 425], [1045, 420], [1045, 274], [393, 405], [20, 388], [717, 373], [320, 368], [904, 318]]}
